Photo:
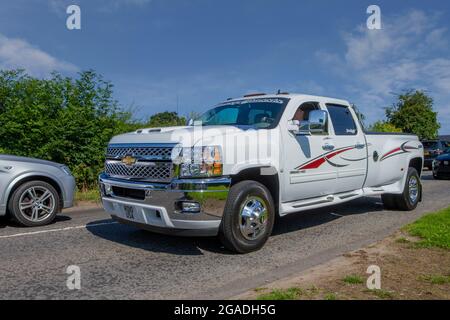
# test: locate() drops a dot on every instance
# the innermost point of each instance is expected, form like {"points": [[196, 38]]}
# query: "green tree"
{"points": [[61, 119], [166, 119], [383, 126], [413, 113]]}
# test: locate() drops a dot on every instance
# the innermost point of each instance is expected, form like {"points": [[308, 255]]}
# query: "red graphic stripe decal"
{"points": [[391, 152], [318, 162]]}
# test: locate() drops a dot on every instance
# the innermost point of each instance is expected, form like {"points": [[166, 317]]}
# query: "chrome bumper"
{"points": [[161, 210]]}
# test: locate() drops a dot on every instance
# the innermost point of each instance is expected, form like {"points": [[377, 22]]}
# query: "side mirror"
{"points": [[316, 124], [318, 121], [190, 122]]}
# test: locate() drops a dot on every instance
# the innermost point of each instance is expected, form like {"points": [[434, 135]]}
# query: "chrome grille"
{"points": [[147, 152], [150, 171]]}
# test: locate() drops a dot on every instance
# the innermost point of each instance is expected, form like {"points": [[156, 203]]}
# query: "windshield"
{"points": [[254, 113]]}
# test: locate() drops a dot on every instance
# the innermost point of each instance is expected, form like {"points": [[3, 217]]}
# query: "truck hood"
{"points": [[186, 135], [6, 157]]}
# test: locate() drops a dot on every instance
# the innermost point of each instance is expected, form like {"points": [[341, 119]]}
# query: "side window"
{"points": [[342, 119]]}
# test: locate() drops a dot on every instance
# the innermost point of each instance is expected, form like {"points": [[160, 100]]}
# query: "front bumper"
{"points": [[160, 209], [69, 191]]}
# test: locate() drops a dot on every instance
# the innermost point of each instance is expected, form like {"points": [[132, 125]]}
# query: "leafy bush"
{"points": [[61, 119]]}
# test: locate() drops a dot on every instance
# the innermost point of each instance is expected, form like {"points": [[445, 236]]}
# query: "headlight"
{"points": [[66, 170], [198, 162]]}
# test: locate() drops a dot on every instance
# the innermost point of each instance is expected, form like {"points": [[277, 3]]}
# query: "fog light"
{"points": [[192, 207], [108, 189]]}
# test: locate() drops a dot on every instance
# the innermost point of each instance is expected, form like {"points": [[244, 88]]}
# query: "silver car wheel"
{"points": [[37, 204], [413, 185], [253, 218]]}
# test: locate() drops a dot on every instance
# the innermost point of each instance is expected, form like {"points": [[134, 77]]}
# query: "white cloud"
{"points": [[18, 53], [411, 51]]}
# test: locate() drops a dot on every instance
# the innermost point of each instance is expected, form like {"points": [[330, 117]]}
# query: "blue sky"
{"points": [[206, 51]]}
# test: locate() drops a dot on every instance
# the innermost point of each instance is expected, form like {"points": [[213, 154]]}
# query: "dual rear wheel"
{"points": [[411, 196]]}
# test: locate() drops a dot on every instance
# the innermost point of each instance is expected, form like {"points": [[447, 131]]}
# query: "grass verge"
{"points": [[433, 229], [282, 294], [92, 195], [353, 279]]}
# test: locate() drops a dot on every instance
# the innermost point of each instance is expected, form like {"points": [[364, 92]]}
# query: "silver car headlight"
{"points": [[198, 162]]}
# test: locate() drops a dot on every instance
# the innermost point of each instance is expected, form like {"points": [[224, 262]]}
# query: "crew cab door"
{"points": [[306, 173], [349, 143]]}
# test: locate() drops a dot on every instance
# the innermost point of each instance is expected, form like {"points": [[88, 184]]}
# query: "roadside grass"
{"points": [[380, 293], [353, 279], [92, 195], [433, 229], [330, 296], [435, 279], [282, 294]]}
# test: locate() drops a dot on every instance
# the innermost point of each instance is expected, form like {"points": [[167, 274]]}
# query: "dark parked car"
{"points": [[433, 149], [441, 165]]}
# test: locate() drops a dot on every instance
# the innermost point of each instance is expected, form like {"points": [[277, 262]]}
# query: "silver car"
{"points": [[33, 191]]}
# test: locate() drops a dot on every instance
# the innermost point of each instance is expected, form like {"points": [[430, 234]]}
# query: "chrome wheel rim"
{"points": [[37, 204], [413, 189], [253, 218]]}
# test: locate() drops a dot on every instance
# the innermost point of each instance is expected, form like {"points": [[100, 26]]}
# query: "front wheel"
{"points": [[34, 203], [248, 217]]}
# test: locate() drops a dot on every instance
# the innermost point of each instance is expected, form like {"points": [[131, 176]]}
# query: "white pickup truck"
{"points": [[250, 160]]}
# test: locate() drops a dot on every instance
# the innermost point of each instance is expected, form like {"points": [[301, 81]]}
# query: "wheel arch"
{"points": [[35, 177], [416, 163], [267, 176]]}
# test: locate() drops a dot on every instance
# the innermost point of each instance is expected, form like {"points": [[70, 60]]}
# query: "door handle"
{"points": [[328, 147], [360, 146]]}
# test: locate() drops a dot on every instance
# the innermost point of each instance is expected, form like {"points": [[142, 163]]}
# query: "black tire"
{"points": [[404, 201], [389, 201], [242, 194], [436, 177], [22, 194]]}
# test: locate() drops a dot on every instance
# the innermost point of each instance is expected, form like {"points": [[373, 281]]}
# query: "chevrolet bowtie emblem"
{"points": [[129, 160]]}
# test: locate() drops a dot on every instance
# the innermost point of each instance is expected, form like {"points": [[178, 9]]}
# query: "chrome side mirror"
{"points": [[190, 122], [316, 124], [317, 121]]}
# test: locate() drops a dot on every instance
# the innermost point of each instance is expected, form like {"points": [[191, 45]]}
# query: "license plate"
{"points": [[446, 163], [426, 153], [129, 212]]}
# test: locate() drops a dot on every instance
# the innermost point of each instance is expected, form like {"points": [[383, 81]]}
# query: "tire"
{"points": [[406, 201], [37, 209], [389, 201], [436, 177], [403, 201], [238, 232]]}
